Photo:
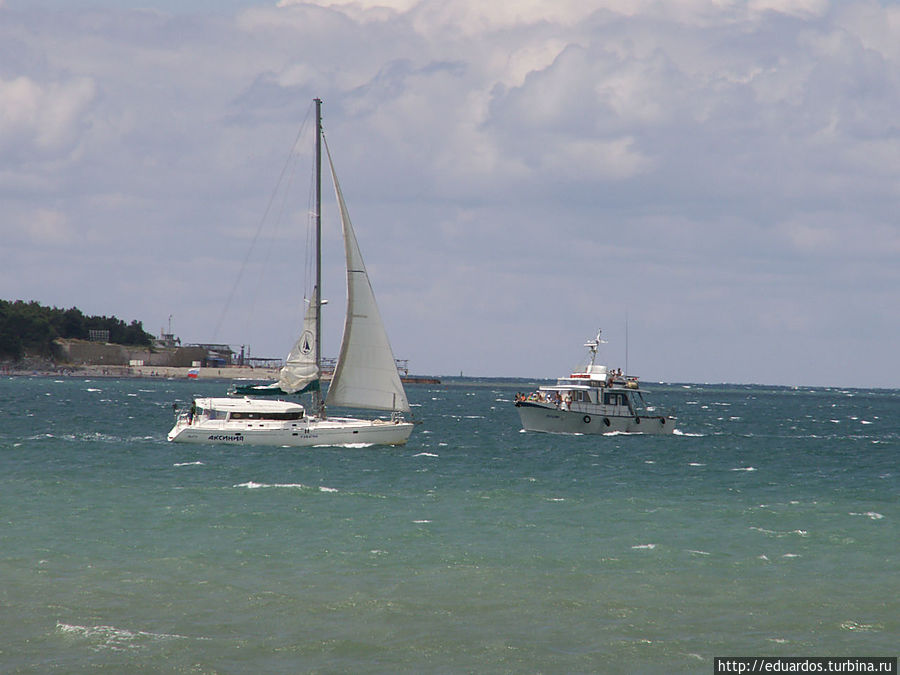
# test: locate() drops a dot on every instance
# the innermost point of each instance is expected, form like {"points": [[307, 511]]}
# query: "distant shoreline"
{"points": [[151, 372], [168, 373]]}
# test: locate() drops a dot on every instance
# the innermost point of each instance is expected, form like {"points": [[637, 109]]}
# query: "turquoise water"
{"points": [[767, 526]]}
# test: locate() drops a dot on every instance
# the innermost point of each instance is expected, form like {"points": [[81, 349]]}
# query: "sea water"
{"points": [[767, 525]]}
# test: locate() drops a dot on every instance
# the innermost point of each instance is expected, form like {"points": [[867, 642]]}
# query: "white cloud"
{"points": [[723, 171], [43, 117]]}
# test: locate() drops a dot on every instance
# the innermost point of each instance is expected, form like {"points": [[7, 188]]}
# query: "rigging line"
{"points": [[262, 221], [278, 222]]}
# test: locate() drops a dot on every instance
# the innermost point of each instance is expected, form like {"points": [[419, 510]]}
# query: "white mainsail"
{"points": [[300, 368], [366, 374]]}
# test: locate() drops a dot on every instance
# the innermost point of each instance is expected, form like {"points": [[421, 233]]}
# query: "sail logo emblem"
{"points": [[306, 342]]}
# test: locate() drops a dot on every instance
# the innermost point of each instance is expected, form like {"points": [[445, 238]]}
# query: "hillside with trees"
{"points": [[29, 329]]}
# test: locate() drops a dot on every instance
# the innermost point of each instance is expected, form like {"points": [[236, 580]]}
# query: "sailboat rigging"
{"points": [[365, 375]]}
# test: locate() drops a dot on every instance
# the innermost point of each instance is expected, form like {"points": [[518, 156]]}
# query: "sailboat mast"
{"points": [[317, 397]]}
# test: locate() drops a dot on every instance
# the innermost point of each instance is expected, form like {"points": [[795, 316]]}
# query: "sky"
{"points": [[714, 183]]}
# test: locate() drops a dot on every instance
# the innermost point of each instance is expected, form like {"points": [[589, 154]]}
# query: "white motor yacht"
{"points": [[595, 400]]}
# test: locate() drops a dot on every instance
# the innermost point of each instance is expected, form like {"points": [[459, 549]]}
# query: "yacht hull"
{"points": [[548, 418], [338, 431]]}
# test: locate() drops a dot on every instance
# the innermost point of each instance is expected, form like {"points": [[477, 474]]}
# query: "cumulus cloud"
{"points": [[43, 117], [724, 172]]}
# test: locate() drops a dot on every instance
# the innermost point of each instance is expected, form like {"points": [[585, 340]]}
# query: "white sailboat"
{"points": [[365, 376]]}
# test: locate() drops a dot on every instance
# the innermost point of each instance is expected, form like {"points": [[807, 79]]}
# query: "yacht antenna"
{"points": [[592, 346]]}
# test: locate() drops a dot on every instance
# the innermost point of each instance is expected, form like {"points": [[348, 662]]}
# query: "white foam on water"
{"points": [[113, 638], [188, 464], [421, 522], [425, 454], [745, 468], [861, 627], [699, 552], [872, 515], [679, 432], [763, 530], [696, 464], [92, 389], [647, 547], [322, 488], [775, 533], [253, 485]]}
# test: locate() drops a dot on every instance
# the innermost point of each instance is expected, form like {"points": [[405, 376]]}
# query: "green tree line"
{"points": [[29, 329]]}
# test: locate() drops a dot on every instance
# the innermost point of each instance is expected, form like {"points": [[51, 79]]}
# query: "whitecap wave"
{"points": [[871, 515], [188, 464], [425, 454], [253, 485], [647, 547], [861, 627], [113, 638]]}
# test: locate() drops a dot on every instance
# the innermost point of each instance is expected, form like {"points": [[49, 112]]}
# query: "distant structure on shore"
{"points": [[167, 351]]}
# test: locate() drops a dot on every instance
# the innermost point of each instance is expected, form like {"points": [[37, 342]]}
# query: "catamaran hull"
{"points": [[330, 432], [550, 419]]}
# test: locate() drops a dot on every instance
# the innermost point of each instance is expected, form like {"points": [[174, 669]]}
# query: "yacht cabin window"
{"points": [[267, 415], [614, 399]]}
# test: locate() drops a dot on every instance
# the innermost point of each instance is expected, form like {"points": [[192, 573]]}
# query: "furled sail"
{"points": [[366, 374], [300, 368]]}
